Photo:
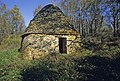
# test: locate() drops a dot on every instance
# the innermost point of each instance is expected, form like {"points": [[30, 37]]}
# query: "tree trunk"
{"points": [[114, 28]]}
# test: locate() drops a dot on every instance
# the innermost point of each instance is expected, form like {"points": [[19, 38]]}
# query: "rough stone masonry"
{"points": [[49, 31]]}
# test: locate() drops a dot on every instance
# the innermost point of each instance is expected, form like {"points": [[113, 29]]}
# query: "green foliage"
{"points": [[11, 65], [11, 22], [10, 41], [8, 65], [18, 23], [103, 45]]}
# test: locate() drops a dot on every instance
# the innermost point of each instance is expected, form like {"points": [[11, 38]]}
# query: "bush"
{"points": [[10, 42]]}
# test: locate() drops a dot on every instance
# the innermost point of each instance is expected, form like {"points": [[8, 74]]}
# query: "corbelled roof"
{"points": [[50, 20]]}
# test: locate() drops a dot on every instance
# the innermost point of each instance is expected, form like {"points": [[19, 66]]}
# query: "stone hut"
{"points": [[49, 31]]}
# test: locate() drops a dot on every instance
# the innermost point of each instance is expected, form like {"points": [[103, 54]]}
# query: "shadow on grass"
{"points": [[94, 68], [39, 74], [97, 68]]}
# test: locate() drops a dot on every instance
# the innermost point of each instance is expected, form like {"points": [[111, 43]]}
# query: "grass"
{"points": [[86, 65], [11, 62], [10, 65]]}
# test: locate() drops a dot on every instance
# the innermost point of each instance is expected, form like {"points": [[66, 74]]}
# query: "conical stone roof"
{"points": [[50, 20]]}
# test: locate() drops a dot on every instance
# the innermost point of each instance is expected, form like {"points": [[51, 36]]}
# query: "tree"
{"points": [[112, 14], [89, 17], [2, 21], [17, 20], [37, 10]]}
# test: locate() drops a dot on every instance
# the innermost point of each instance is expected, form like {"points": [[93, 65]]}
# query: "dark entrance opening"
{"points": [[62, 45]]}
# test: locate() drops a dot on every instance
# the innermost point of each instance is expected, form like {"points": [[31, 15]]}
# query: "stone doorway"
{"points": [[62, 45]]}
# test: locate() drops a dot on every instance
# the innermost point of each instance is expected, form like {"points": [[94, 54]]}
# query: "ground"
{"points": [[89, 64]]}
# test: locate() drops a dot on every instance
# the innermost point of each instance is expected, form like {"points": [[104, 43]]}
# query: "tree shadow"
{"points": [[93, 68], [38, 74], [96, 68]]}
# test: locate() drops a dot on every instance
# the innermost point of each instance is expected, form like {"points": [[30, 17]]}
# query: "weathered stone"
{"points": [[44, 33]]}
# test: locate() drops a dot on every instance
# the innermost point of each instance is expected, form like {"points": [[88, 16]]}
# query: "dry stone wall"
{"points": [[39, 45]]}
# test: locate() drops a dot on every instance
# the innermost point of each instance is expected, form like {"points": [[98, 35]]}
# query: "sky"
{"points": [[26, 7]]}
